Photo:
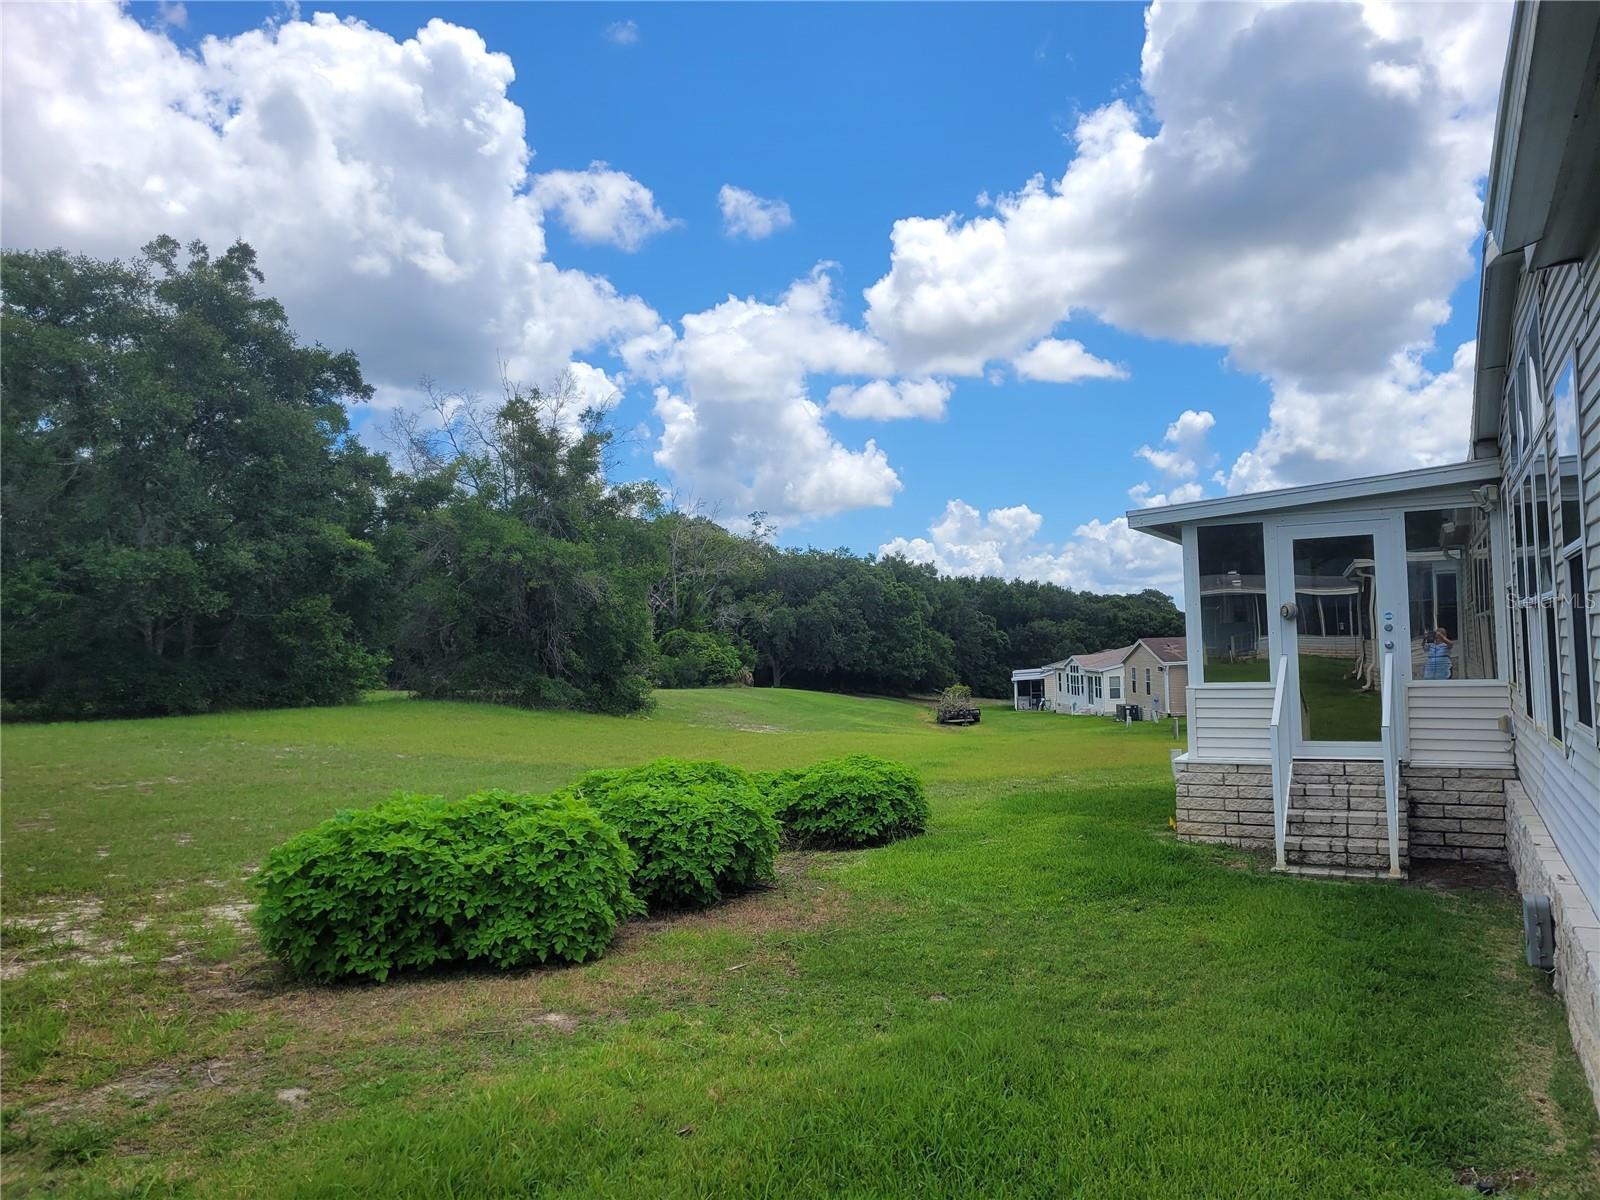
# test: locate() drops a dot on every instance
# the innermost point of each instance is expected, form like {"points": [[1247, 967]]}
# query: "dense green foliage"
{"points": [[858, 800], [698, 829], [497, 878], [685, 659], [191, 526], [188, 523], [516, 564]]}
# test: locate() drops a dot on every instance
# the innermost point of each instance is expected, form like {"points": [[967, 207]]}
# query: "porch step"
{"points": [[1338, 822]]}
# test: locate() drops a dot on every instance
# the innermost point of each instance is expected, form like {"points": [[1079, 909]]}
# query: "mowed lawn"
{"points": [[1045, 995]]}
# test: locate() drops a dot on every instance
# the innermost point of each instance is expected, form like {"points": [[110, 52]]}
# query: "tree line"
{"points": [[191, 525]]}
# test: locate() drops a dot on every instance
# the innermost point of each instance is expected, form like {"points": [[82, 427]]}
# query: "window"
{"points": [[1567, 486], [1449, 593], [1233, 603], [1545, 522], [1116, 687], [1148, 691], [1580, 640], [1527, 665], [1552, 656]]}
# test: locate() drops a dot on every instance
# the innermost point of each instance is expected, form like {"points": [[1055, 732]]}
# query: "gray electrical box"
{"points": [[1539, 931]]}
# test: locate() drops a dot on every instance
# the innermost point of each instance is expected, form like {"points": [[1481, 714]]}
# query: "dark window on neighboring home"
{"points": [[1580, 641]]}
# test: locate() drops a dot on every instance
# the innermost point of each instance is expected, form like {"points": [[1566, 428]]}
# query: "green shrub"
{"points": [[860, 800], [698, 829], [494, 878], [688, 660]]}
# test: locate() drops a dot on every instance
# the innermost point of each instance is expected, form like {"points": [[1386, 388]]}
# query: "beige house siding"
{"points": [[1166, 679]]}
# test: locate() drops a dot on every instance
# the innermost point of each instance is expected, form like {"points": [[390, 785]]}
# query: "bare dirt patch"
{"points": [[63, 934], [1441, 876]]}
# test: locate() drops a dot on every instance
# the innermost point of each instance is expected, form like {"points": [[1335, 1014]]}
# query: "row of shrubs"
{"points": [[513, 879]]}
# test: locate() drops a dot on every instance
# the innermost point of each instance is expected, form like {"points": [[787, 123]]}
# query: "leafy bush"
{"points": [[686, 660], [497, 878], [860, 800], [698, 829]]}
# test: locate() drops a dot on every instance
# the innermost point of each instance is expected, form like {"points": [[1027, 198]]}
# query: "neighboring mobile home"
{"points": [[1100, 682], [1038, 688], [1158, 676], [1095, 682], [1403, 667]]}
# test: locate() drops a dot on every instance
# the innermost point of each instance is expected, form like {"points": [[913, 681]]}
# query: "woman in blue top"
{"points": [[1436, 645]]}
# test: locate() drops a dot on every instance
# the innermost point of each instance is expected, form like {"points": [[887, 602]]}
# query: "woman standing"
{"points": [[1436, 644]]}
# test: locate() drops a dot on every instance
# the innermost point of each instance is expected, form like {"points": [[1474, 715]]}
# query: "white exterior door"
{"points": [[1340, 607]]}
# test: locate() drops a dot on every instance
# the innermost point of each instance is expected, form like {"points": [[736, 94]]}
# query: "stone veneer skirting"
{"points": [[1336, 811], [1541, 869], [1229, 803], [1456, 813]]}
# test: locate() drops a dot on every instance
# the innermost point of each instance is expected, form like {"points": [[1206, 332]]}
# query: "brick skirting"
{"points": [[1456, 812], [1337, 811], [1229, 803]]}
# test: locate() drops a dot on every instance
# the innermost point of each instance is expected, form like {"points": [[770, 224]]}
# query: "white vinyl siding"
{"points": [[1229, 722], [1563, 778], [1457, 723]]}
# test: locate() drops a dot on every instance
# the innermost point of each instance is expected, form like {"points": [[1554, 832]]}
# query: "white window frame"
{"points": [[1530, 601]]}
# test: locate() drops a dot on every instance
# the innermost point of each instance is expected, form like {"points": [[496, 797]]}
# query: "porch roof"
{"points": [[1101, 660], [1167, 521], [1022, 673]]}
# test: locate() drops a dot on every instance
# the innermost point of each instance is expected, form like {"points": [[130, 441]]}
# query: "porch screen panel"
{"points": [[1450, 594], [1340, 672], [1233, 603]]}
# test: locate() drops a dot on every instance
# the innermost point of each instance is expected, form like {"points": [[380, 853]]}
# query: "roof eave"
{"points": [[1546, 89], [1167, 521], [1497, 301]]}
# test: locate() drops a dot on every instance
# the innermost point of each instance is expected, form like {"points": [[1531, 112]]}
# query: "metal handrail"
{"points": [[1282, 765], [1391, 766]]}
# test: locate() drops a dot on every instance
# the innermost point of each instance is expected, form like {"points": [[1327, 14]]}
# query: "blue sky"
{"points": [[1207, 293]]}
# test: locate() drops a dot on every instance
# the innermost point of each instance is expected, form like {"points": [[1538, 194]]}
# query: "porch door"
{"points": [[1346, 612]]}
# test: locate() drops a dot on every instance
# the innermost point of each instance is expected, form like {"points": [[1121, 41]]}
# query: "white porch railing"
{"points": [[1391, 765], [1281, 742]]}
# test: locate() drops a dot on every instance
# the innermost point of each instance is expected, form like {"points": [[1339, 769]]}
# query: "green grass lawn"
{"points": [[1044, 995], [1248, 670], [1334, 704]]}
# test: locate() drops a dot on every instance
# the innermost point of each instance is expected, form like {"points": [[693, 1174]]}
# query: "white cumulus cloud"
{"points": [[1296, 183], [747, 215], [1062, 360], [1101, 556], [1183, 450], [881, 400], [601, 205], [740, 424], [382, 181]]}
